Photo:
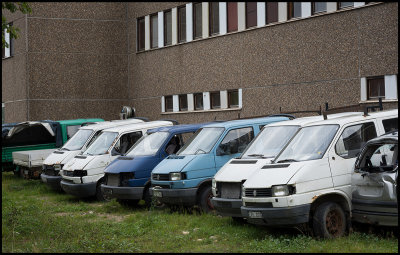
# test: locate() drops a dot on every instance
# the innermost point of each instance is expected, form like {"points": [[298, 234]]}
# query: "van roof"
{"points": [[310, 119], [233, 123], [78, 121], [341, 120], [110, 124], [137, 126], [178, 128]]}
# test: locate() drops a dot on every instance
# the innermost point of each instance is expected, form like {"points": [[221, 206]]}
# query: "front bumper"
{"points": [[279, 216], [52, 181], [79, 189], [227, 207], [122, 192], [186, 197]]}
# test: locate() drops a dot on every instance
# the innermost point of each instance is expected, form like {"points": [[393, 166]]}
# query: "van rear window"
{"points": [[390, 124]]}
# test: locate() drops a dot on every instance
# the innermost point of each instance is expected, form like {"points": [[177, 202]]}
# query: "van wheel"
{"points": [[99, 195], [205, 200], [148, 200], [329, 220]]}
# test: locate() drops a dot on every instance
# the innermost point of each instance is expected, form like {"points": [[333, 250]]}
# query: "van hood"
{"points": [[132, 164], [60, 157], [237, 170], [87, 162], [174, 163], [274, 174]]}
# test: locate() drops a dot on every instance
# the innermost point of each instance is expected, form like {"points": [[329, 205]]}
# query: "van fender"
{"points": [[200, 186], [337, 196]]}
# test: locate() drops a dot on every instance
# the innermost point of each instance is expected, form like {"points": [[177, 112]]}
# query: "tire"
{"points": [[329, 220], [148, 200], [205, 200], [99, 195]]}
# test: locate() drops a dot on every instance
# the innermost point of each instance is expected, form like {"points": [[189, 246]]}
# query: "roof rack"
{"points": [[351, 108], [263, 116]]}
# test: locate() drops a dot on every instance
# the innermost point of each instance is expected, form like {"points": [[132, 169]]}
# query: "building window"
{"points": [[376, 87], [169, 104], [272, 12], [317, 7], [294, 10], [183, 104], [154, 30], [198, 101], [342, 5], [141, 34], [215, 99], [232, 11], [167, 27], [251, 14], [214, 18], [233, 98], [182, 24], [197, 18], [8, 51]]}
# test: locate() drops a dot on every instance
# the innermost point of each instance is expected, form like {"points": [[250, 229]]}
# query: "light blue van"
{"points": [[185, 178]]}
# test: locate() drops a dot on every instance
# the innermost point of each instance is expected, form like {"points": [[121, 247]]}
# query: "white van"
{"points": [[227, 183], [310, 179], [83, 175], [75, 145]]}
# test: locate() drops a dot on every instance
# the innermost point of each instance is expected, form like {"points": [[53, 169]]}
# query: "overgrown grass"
{"points": [[36, 219]]}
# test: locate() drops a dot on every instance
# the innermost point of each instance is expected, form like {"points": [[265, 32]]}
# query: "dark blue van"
{"points": [[128, 176]]}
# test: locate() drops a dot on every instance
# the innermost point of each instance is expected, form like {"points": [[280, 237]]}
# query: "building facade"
{"points": [[197, 62]]}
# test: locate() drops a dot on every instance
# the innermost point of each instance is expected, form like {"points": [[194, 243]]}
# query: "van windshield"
{"points": [[270, 142], [202, 141], [148, 145], [101, 144], [77, 141], [309, 143]]}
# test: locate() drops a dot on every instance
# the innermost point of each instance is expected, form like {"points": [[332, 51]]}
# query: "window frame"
{"points": [[180, 104], [165, 103], [165, 25], [290, 10], [212, 99], [229, 92], [339, 7], [233, 19], [195, 101], [269, 5], [247, 14], [368, 79], [199, 5], [180, 39], [313, 12], [138, 20], [211, 18], [10, 43]]}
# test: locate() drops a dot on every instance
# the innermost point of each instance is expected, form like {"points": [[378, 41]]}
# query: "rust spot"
{"points": [[314, 197]]}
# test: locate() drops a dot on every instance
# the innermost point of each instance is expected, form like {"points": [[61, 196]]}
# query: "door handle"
{"points": [[333, 158]]}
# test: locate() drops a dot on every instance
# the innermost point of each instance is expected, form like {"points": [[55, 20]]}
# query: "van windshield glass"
{"points": [[101, 144], [309, 143], [202, 141], [148, 145], [77, 141], [270, 142]]}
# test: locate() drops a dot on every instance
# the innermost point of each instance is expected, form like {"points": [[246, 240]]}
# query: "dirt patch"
{"points": [[109, 217]]}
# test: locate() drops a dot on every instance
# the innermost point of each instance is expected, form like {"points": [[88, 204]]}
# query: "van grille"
{"points": [[68, 173], [258, 192], [160, 177], [230, 190], [112, 179]]}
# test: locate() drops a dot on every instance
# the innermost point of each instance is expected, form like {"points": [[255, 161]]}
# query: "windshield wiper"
{"points": [[65, 149], [260, 156], [287, 160]]}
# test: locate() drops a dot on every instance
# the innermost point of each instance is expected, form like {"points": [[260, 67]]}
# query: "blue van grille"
{"points": [[258, 192], [160, 177]]}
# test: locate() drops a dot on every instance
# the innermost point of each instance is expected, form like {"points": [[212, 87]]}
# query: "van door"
{"points": [[342, 156], [233, 144], [374, 181]]}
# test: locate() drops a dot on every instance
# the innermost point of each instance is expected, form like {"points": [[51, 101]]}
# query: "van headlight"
{"points": [[175, 176], [281, 190], [213, 183], [243, 191]]}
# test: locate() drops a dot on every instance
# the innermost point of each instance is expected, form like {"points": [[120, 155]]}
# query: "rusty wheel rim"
{"points": [[334, 223]]}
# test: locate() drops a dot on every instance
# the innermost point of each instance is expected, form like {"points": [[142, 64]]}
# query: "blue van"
{"points": [[128, 176], [185, 178]]}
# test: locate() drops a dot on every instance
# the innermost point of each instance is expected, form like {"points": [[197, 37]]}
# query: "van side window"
{"points": [[127, 141], [390, 124], [236, 141], [71, 130], [353, 139]]}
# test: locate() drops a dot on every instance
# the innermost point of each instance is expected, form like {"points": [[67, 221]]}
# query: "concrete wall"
{"points": [[296, 65]]}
